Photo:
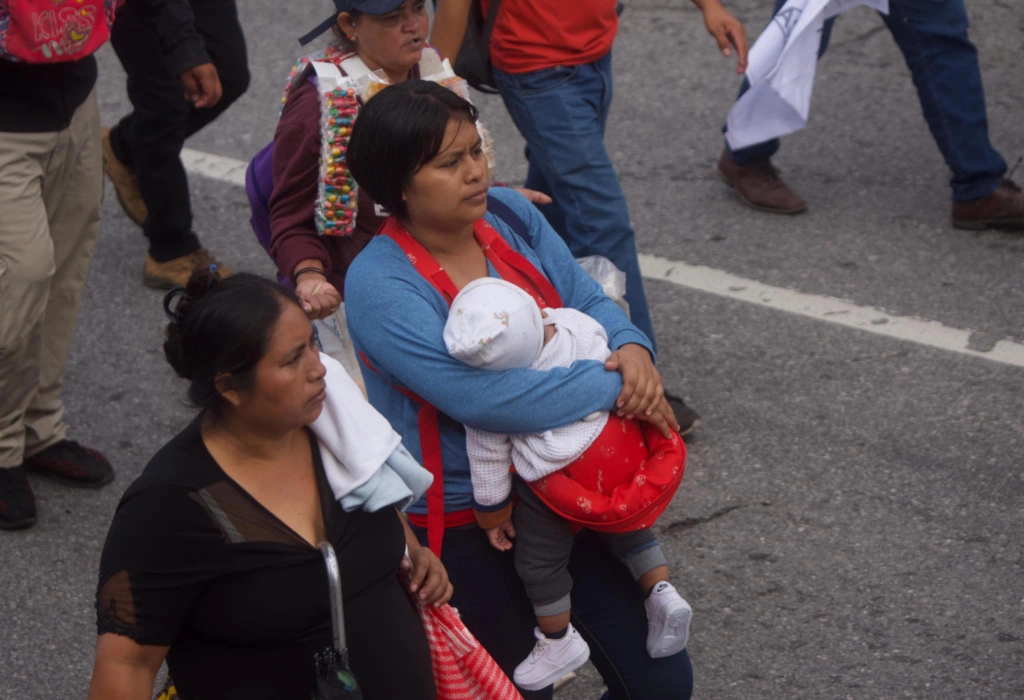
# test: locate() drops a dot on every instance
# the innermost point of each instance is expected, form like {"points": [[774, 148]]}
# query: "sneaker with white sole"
{"points": [[668, 621], [551, 659]]}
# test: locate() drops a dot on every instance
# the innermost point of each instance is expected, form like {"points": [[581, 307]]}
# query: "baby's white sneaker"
{"points": [[551, 659], [668, 621]]}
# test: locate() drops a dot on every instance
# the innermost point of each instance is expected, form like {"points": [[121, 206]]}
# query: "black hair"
{"points": [[400, 129], [340, 35], [222, 326]]}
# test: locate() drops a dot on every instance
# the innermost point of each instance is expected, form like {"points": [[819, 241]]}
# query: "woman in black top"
{"points": [[211, 561]]}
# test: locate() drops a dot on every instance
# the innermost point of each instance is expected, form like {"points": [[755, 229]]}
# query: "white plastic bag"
{"points": [[611, 278]]}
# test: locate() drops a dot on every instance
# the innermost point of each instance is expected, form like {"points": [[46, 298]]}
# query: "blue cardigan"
{"points": [[396, 318]]}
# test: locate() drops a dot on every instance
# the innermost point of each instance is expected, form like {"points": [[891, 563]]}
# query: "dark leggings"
{"points": [[607, 609], [150, 138]]}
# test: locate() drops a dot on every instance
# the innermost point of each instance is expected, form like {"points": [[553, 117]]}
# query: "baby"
{"points": [[578, 475]]}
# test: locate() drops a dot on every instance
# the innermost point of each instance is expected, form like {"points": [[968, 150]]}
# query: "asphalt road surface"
{"points": [[850, 524]]}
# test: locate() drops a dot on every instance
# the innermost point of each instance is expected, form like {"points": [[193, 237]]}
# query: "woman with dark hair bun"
{"points": [[415, 150], [211, 562]]}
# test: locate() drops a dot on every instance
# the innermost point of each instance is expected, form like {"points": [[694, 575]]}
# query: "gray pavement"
{"points": [[850, 522]]}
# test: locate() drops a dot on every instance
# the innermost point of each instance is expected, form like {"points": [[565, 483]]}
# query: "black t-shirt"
{"points": [[43, 97], [192, 561]]}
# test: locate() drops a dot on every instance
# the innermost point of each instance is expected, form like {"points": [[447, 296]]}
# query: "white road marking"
{"points": [[721, 283], [829, 309], [214, 167]]}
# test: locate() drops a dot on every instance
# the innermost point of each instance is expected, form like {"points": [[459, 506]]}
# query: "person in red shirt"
{"points": [[552, 65]]}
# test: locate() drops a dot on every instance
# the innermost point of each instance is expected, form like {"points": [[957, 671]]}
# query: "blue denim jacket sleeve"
{"points": [[578, 289], [397, 318]]}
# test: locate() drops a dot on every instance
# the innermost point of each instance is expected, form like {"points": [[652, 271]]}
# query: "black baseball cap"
{"points": [[370, 7]]}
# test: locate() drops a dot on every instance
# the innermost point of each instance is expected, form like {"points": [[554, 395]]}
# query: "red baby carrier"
{"points": [[53, 31], [623, 498], [623, 482]]}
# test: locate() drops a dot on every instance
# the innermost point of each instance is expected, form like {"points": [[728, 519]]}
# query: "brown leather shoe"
{"points": [[1004, 209], [125, 185], [175, 273], [759, 186]]}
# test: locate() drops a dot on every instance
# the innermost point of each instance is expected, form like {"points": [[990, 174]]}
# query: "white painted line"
{"points": [[825, 308], [214, 167], [720, 283]]}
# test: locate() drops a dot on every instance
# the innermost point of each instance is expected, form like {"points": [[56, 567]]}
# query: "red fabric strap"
{"points": [[513, 268], [430, 447], [454, 518], [430, 453]]}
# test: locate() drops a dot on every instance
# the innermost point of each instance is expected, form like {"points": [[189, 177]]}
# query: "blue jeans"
{"points": [[562, 113], [607, 609], [932, 34]]}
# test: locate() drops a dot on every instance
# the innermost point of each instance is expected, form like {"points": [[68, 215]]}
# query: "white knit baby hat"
{"points": [[495, 325]]}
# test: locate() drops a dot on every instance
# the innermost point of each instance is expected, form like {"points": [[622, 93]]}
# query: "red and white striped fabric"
{"points": [[463, 670]]}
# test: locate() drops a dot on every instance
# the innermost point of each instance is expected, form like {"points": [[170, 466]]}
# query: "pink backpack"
{"points": [[53, 31]]}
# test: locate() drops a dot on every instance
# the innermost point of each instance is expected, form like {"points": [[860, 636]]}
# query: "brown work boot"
{"points": [[125, 185], [759, 186], [175, 273], [1004, 208]]}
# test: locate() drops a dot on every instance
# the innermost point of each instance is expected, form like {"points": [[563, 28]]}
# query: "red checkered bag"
{"points": [[53, 31], [463, 670]]}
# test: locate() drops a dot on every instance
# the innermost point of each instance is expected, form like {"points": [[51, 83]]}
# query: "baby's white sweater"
{"points": [[535, 456]]}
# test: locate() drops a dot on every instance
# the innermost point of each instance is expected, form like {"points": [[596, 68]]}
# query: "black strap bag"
{"points": [[474, 61]]}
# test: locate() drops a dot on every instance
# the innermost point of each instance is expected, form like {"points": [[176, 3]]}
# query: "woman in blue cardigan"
{"points": [[415, 151]]}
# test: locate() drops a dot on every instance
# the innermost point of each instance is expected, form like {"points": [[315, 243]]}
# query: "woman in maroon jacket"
{"points": [[384, 35]]}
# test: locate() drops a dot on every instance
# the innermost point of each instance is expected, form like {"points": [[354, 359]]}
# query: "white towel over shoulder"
{"points": [[356, 444]]}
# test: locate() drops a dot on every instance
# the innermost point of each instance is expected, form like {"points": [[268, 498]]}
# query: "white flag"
{"points": [[781, 71]]}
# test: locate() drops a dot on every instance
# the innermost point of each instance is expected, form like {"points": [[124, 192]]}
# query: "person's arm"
{"points": [[159, 552], [124, 669], [319, 297], [727, 31], [490, 464], [175, 27], [578, 289], [642, 390], [398, 319], [450, 20], [183, 48], [294, 243]]}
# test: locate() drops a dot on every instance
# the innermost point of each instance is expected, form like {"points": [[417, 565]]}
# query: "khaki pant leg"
{"points": [[73, 196], [26, 267]]}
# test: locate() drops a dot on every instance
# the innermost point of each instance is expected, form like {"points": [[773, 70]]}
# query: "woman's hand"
{"points": [[643, 395], [534, 196], [319, 297], [501, 537], [663, 418], [642, 389], [428, 578]]}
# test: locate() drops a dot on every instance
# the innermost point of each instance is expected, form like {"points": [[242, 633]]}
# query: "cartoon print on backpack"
{"points": [[52, 31]]}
